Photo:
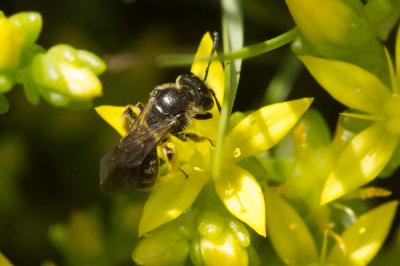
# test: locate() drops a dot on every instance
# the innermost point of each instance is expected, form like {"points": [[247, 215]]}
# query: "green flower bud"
{"points": [[210, 224], [31, 25], [61, 70], [7, 81], [91, 61], [12, 39], [164, 246], [195, 253], [223, 250], [240, 231], [64, 53]]}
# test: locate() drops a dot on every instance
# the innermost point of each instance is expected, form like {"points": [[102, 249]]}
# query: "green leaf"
{"points": [[363, 239], [265, 127], [289, 234], [4, 105], [349, 84], [242, 196], [360, 162], [172, 195]]}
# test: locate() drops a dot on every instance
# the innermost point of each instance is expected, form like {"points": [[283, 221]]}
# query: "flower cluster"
{"points": [[63, 75], [236, 187]]}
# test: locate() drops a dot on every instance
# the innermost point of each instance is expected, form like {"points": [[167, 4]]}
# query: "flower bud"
{"points": [[164, 246], [223, 250], [62, 70], [210, 224], [11, 42]]}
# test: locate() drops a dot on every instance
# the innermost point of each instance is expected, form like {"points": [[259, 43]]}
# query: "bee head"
{"points": [[202, 95]]}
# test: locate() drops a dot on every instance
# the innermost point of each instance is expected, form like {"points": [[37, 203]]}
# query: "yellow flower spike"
{"points": [[172, 195], [242, 196], [323, 21], [363, 239], [224, 250], [113, 115], [265, 127], [349, 84], [215, 81], [360, 161], [11, 40]]}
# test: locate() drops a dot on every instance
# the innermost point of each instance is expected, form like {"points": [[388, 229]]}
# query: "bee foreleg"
{"points": [[193, 137]]}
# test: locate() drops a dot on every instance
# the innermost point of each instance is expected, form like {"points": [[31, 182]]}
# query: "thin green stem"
{"points": [[232, 33], [243, 53], [324, 248]]}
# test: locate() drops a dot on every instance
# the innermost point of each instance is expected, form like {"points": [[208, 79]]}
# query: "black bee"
{"points": [[169, 110]]}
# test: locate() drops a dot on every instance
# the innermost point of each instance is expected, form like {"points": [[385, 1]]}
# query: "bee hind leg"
{"points": [[131, 113]]}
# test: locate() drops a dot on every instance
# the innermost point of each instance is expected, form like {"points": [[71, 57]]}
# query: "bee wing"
{"points": [[121, 168], [138, 143]]}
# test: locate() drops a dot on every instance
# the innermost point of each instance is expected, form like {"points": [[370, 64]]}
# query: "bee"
{"points": [[169, 110]]}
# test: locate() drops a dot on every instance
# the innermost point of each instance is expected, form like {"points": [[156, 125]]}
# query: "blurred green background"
{"points": [[49, 156]]}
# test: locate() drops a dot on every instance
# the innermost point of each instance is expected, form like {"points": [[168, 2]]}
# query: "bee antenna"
{"points": [[215, 37]]}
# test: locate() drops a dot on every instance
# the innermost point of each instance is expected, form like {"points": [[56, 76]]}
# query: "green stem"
{"points": [[232, 33], [324, 248], [243, 53]]}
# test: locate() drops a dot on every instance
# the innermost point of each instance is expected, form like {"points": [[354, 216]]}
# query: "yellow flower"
{"points": [[369, 151], [237, 188]]}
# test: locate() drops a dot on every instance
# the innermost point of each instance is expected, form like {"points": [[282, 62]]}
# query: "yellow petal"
{"points": [[172, 195], [242, 195], [349, 84], [289, 235], [328, 21], [4, 261], [113, 116], [215, 81], [360, 162], [363, 239], [265, 127]]}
